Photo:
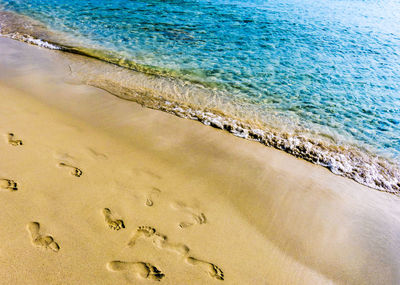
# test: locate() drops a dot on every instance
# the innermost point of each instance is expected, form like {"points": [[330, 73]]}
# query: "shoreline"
{"points": [[270, 218], [197, 103]]}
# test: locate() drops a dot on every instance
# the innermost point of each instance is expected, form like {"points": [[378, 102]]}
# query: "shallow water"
{"points": [[308, 72]]}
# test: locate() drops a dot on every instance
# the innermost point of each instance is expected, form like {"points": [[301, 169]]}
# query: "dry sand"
{"points": [[98, 190]]}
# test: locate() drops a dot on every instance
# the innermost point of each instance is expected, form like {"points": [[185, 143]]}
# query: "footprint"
{"points": [[13, 141], [161, 241], [149, 197], [8, 184], [38, 240], [96, 154], [141, 232], [63, 156], [213, 270], [197, 218], [111, 221], [75, 171], [142, 269]]}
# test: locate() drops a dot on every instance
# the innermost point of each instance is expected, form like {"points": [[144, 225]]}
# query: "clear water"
{"points": [[329, 67]]}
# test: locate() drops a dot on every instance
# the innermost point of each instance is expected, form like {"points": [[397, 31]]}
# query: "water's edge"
{"points": [[154, 91]]}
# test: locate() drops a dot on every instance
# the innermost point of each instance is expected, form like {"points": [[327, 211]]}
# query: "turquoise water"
{"points": [[331, 68]]}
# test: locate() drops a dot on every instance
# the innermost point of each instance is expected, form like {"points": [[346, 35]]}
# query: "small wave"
{"points": [[153, 89], [25, 29], [168, 96], [32, 40]]}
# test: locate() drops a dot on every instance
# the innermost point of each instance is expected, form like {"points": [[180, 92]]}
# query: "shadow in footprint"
{"points": [[75, 171], [8, 184], [113, 223], [141, 269], [13, 141], [38, 240]]}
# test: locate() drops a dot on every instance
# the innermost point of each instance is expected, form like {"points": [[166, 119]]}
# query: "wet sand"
{"points": [[99, 190]]}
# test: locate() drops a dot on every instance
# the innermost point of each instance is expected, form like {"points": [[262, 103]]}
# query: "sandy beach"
{"points": [[99, 190]]}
